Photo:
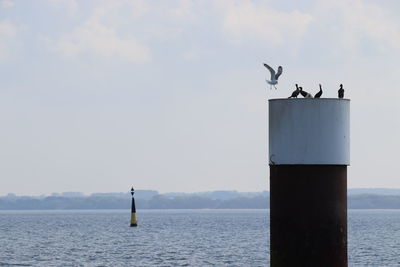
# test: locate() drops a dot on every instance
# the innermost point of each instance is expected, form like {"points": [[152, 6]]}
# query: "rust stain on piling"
{"points": [[308, 215]]}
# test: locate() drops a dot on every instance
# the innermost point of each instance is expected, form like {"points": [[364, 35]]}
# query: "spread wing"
{"points": [[270, 70], [279, 72]]}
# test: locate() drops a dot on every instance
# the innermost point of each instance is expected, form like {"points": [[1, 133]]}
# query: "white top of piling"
{"points": [[309, 131]]}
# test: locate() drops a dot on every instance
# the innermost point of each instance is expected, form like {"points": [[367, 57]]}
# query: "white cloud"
{"points": [[359, 21], [8, 32], [6, 3], [7, 29], [184, 9], [71, 5], [99, 40], [139, 7], [95, 38], [245, 19]]}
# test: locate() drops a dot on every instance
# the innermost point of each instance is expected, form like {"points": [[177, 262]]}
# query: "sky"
{"points": [[97, 96]]}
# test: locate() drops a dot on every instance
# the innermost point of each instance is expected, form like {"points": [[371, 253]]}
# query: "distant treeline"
{"points": [[368, 201], [174, 201], [110, 202]]}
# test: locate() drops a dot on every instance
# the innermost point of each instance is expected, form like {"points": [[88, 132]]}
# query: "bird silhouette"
{"points": [[318, 95], [274, 75], [341, 91], [304, 93], [295, 92]]}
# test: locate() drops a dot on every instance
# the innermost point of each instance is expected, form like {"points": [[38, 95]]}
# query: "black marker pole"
{"points": [[133, 210]]}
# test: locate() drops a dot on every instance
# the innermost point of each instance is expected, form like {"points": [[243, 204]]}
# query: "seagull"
{"points": [[341, 91], [304, 93], [295, 92], [318, 95], [274, 75]]}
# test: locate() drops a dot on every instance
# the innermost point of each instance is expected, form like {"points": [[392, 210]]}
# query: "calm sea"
{"points": [[173, 238]]}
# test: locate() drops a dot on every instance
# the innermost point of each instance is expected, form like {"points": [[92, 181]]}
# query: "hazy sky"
{"points": [[96, 96]]}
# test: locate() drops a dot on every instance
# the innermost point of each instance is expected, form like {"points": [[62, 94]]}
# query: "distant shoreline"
{"points": [[210, 200]]}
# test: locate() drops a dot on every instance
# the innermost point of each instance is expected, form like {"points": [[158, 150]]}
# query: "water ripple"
{"points": [[173, 238]]}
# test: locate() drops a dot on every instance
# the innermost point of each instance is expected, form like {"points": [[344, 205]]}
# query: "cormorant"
{"points": [[274, 75], [304, 93], [295, 92], [318, 95], [341, 91]]}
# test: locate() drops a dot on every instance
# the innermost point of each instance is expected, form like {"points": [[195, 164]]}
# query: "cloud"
{"points": [[246, 19], [6, 3], [8, 33], [95, 38], [7, 29], [101, 41], [354, 24], [71, 5], [183, 9]]}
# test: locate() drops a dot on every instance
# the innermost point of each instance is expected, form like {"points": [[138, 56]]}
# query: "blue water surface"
{"points": [[173, 238]]}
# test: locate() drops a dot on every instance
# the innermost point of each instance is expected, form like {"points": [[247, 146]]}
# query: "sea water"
{"points": [[174, 238]]}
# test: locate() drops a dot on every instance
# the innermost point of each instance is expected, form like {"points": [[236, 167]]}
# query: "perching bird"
{"points": [[304, 93], [274, 75], [295, 92], [341, 91], [318, 95]]}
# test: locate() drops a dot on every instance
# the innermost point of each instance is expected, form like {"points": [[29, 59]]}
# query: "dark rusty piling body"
{"points": [[308, 215]]}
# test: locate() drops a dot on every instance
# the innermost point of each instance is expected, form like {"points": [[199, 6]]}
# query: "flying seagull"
{"points": [[341, 91], [274, 75], [304, 93], [295, 92], [318, 95]]}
